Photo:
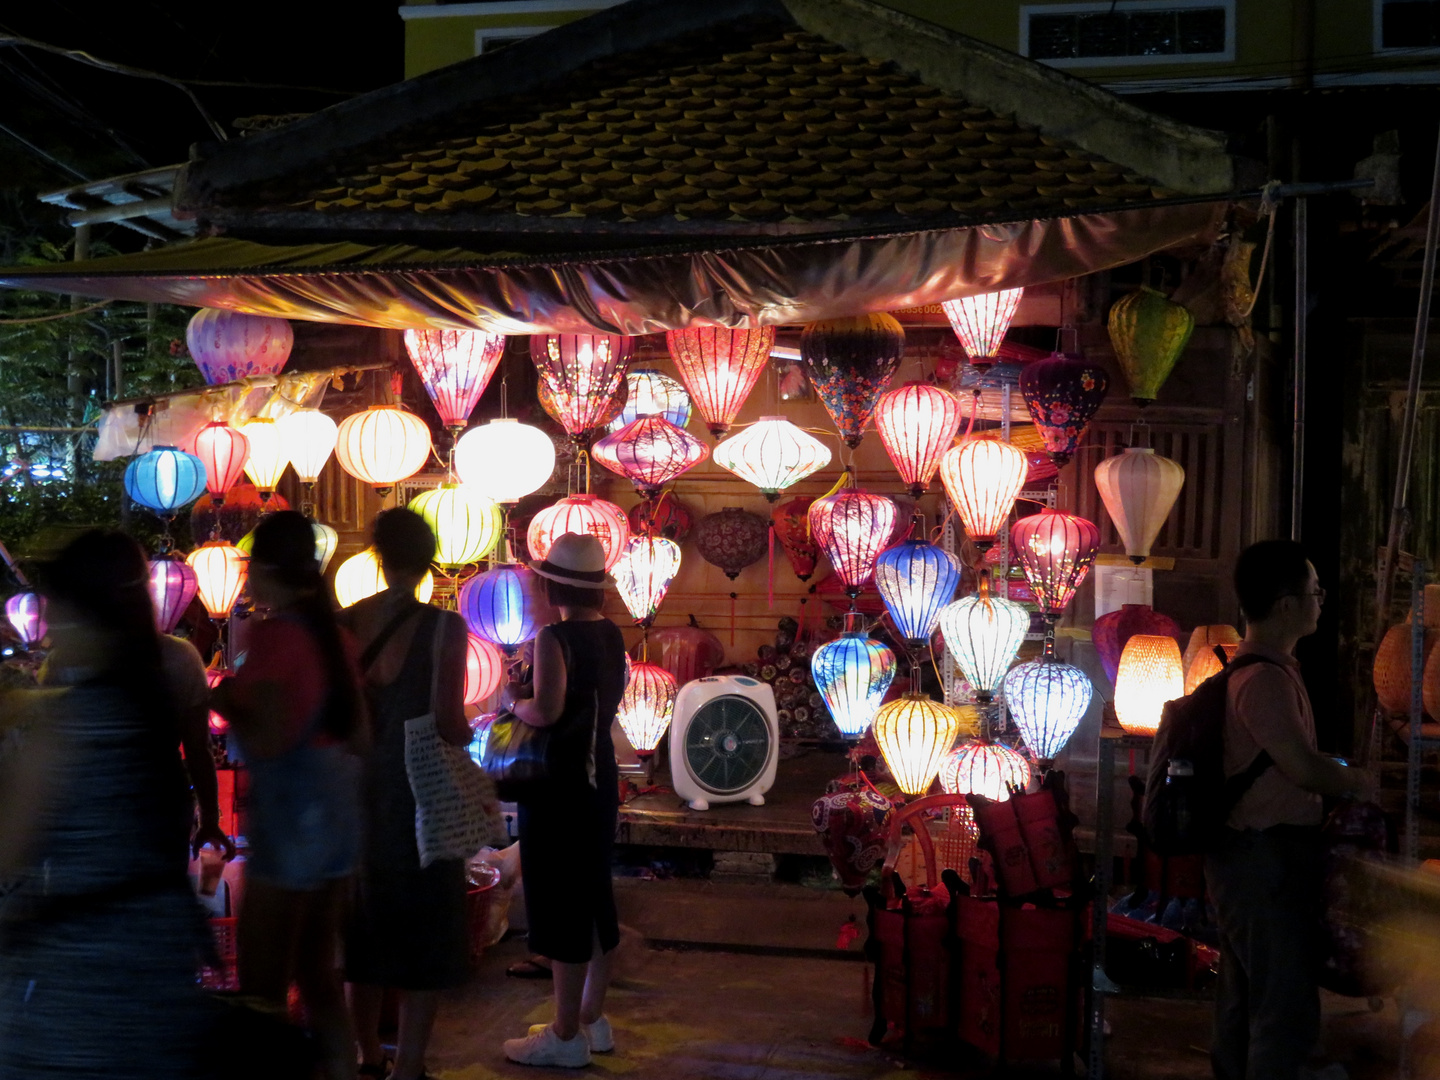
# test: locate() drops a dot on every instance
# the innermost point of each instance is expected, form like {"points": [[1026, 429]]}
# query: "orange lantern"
{"points": [[917, 423], [580, 514], [223, 450], [983, 477], [1206, 638], [720, 367], [980, 321], [914, 735], [647, 707], [484, 668], [221, 571], [1150, 675], [1391, 670], [1206, 664], [382, 446]]}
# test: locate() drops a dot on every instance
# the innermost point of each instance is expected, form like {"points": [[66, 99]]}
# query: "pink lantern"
{"points": [[229, 345], [687, 652], [580, 514], [917, 424], [455, 367], [224, 452], [987, 769], [649, 452], [172, 586], [582, 373], [720, 367], [26, 612], [484, 668], [647, 706], [980, 321], [852, 528], [1055, 550]]}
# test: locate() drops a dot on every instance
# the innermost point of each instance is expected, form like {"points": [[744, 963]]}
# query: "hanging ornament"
{"points": [[983, 477], [984, 633], [852, 528], [852, 673], [224, 451], [917, 423], [221, 571], [1062, 393], [362, 576], [1150, 675], [731, 539], [26, 613], [454, 366], [498, 606], [382, 446], [505, 460], [980, 321], [1206, 664], [326, 541], [663, 516], [266, 462], [916, 580], [165, 479], [914, 735], [720, 367], [643, 574], [466, 524], [484, 668], [1047, 700], [772, 454], [1055, 550], [173, 585], [1148, 333], [792, 528], [583, 374], [1138, 488], [228, 345], [649, 452], [851, 362], [1204, 639], [584, 514], [308, 437], [652, 393], [989, 770], [647, 706], [1112, 630]]}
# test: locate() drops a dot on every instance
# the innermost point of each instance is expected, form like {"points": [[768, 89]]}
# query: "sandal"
{"points": [[529, 969]]}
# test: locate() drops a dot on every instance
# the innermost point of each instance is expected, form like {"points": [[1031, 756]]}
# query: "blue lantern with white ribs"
{"points": [[165, 480], [1048, 699], [852, 674], [916, 580], [497, 606]]}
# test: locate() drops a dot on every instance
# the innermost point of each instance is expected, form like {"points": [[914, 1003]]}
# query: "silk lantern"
{"points": [[980, 321], [165, 479], [1047, 700], [223, 450], [916, 580], [649, 452], [1055, 550], [584, 514], [1150, 675], [990, 770], [173, 585], [853, 674], [308, 437], [852, 528], [720, 367], [1138, 488], [1062, 393], [583, 373], [643, 574], [266, 462], [664, 515], [466, 524], [454, 366], [505, 459], [498, 606], [914, 735], [221, 571], [26, 613], [851, 362], [382, 446], [772, 454], [326, 541], [647, 706], [983, 478], [230, 345], [484, 668], [791, 522], [917, 423], [1148, 333], [984, 633], [362, 576], [652, 393]]}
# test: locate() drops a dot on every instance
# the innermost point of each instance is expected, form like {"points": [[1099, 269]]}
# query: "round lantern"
{"points": [[308, 437], [221, 571], [505, 459], [361, 576], [454, 366], [980, 321], [1112, 630], [850, 363], [1138, 488], [853, 674], [228, 345], [732, 539], [173, 585], [583, 373], [326, 541], [643, 574], [497, 606], [984, 633], [1148, 333], [484, 668], [720, 367], [649, 452], [1206, 638], [266, 462], [914, 735], [664, 516], [916, 580], [791, 523], [165, 479], [989, 770], [917, 423], [647, 706], [1062, 393], [983, 477], [852, 528], [1207, 664], [26, 613], [1055, 550], [382, 446], [1150, 675], [580, 514], [652, 393], [1047, 700], [1391, 670], [466, 524], [223, 450], [772, 454]]}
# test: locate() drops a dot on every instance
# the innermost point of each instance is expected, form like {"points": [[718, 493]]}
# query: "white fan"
{"points": [[724, 741]]}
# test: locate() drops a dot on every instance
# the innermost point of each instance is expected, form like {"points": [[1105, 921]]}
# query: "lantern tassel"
{"points": [[732, 618], [770, 568]]}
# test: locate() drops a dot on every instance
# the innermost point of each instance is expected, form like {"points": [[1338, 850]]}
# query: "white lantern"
{"points": [[360, 576], [308, 437], [505, 459], [1047, 701], [382, 446], [267, 460], [984, 633], [1138, 488], [772, 454]]}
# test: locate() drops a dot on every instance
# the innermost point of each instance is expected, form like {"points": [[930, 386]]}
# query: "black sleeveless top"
{"points": [[594, 652]]}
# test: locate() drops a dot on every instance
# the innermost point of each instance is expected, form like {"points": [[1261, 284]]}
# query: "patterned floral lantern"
{"points": [[914, 735], [382, 446], [228, 345], [583, 374], [1062, 393], [916, 580], [1113, 629], [647, 707], [652, 393], [989, 770], [853, 823], [649, 452], [484, 668], [1047, 701], [984, 633], [223, 450], [852, 528], [26, 613], [466, 524], [664, 516], [983, 477], [917, 423], [165, 479], [1150, 675], [791, 522], [326, 541], [1138, 488], [1055, 550], [1148, 333], [173, 585], [221, 571], [851, 362], [497, 606], [454, 366], [980, 321], [308, 436], [361, 576], [505, 459], [720, 367], [853, 674], [643, 575], [266, 462], [732, 539], [772, 454], [580, 514]]}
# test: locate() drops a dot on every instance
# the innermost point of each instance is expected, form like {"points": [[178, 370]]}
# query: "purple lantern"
{"points": [[1062, 393], [229, 345], [851, 362], [172, 586], [26, 612]]}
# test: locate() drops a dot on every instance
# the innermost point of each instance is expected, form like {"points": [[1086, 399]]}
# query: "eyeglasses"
{"points": [[1318, 594]]}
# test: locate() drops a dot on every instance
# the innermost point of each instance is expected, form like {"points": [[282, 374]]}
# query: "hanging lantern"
{"points": [[361, 576], [584, 514], [221, 571], [984, 633], [1150, 675], [917, 423], [652, 393], [505, 460], [26, 613], [650, 452], [326, 541], [382, 446], [983, 477], [466, 524], [851, 362], [229, 345], [663, 516], [732, 539], [1207, 664], [989, 770], [720, 367], [791, 521], [1112, 630], [497, 606], [852, 528], [484, 668], [1055, 550], [647, 706], [165, 479], [1047, 700], [173, 585], [772, 454], [583, 373], [1205, 638], [266, 462], [1138, 488], [308, 437], [852, 674], [980, 321], [1062, 393], [223, 450], [454, 366], [916, 580], [1148, 333], [914, 735], [643, 574]]}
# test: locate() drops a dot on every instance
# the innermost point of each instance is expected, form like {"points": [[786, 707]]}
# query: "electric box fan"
{"points": [[724, 740]]}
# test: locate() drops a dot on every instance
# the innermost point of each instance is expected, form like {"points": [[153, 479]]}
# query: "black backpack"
{"points": [[1187, 817]]}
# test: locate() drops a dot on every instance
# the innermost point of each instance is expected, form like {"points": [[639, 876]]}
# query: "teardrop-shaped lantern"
{"points": [[983, 477], [308, 437], [382, 446], [720, 367], [362, 576], [165, 479], [917, 423], [791, 520], [1150, 675], [772, 454], [584, 514], [505, 459], [649, 452], [986, 769], [1139, 487], [266, 462], [852, 528], [850, 363], [1047, 700], [230, 345], [1062, 393], [173, 585], [914, 735], [652, 393], [26, 614], [221, 571], [916, 580], [643, 574], [980, 321], [466, 524], [223, 450], [484, 668], [647, 706], [498, 606], [583, 373], [732, 539], [1055, 550], [853, 674], [326, 541], [1148, 333], [984, 633], [454, 366]]}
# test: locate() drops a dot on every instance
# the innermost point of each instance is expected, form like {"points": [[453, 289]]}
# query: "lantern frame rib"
{"points": [[720, 367]]}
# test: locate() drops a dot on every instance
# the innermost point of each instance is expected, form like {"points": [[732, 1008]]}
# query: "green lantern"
{"points": [[1148, 333]]}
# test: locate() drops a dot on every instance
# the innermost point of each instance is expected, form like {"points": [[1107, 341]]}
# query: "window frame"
{"points": [[515, 33], [1100, 7], [1377, 28]]}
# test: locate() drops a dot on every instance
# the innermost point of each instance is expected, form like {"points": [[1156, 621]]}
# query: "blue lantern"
{"points": [[652, 393], [165, 480], [916, 580], [1048, 699], [852, 674], [496, 605]]}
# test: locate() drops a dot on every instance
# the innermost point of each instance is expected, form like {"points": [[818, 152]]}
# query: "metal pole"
{"points": [[1417, 710], [1302, 318]]}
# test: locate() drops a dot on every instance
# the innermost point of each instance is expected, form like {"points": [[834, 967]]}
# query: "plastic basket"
{"points": [[227, 975]]}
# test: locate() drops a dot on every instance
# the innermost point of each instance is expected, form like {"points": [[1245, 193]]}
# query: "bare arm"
{"points": [[1317, 773], [543, 706], [450, 693]]}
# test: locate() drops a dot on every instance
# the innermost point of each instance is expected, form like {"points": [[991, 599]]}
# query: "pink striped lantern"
{"points": [[484, 668], [580, 514], [649, 452], [455, 366], [26, 613], [224, 451], [720, 367], [980, 321], [1055, 550], [583, 373], [917, 423], [173, 585], [852, 528], [229, 345]]}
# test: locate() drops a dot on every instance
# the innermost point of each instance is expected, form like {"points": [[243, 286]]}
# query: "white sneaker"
{"points": [[599, 1036], [544, 1047]]}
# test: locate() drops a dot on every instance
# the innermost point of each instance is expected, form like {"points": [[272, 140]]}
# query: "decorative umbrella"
{"points": [[851, 362], [1062, 393]]}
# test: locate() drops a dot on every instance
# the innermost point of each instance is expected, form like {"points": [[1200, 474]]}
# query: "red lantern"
{"points": [[852, 528], [484, 668], [917, 423], [455, 366], [224, 452], [583, 373], [239, 514], [792, 529], [720, 367], [649, 452], [580, 514], [687, 652], [983, 477], [980, 321], [664, 516], [1056, 550]]}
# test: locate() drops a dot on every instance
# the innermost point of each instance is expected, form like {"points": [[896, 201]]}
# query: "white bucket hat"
{"points": [[574, 559]]}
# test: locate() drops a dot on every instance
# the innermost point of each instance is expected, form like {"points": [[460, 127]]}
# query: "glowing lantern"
{"points": [[223, 450], [647, 707], [791, 523], [455, 366], [916, 580], [1150, 675], [1047, 700], [165, 479], [980, 321], [643, 574], [326, 541], [1062, 393], [26, 613], [852, 674], [266, 462], [580, 514], [498, 607], [772, 454], [914, 735], [990, 770], [649, 452], [484, 668], [851, 362], [173, 585], [308, 437], [1055, 550], [652, 393], [984, 633], [720, 367], [852, 528], [382, 446], [1111, 631], [1207, 664], [1205, 638], [466, 524], [917, 423], [1138, 488], [361, 576], [505, 459], [583, 373], [983, 477], [221, 571], [229, 345]]}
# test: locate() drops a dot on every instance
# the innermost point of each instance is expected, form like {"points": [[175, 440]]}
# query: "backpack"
{"points": [[1188, 817]]}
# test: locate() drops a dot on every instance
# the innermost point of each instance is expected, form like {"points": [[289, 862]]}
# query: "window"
{"points": [[492, 38], [1407, 24], [1128, 32]]}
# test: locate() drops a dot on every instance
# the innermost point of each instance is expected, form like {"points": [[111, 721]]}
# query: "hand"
{"points": [[211, 834], [510, 693]]}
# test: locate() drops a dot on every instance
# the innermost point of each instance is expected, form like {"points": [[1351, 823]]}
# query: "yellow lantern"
{"points": [[221, 571], [914, 735], [1150, 674], [1138, 488], [983, 478], [360, 576], [1149, 332], [326, 541], [307, 437], [382, 446], [1206, 638], [267, 460], [466, 524]]}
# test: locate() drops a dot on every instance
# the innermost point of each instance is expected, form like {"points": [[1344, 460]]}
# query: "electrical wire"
{"points": [[44, 155]]}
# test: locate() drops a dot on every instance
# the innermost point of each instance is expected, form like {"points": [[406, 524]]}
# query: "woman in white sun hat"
{"points": [[567, 835]]}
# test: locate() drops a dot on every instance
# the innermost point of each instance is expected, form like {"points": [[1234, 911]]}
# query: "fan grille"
{"points": [[728, 744]]}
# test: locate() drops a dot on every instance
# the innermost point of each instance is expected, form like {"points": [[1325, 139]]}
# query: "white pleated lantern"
{"points": [[1138, 488]]}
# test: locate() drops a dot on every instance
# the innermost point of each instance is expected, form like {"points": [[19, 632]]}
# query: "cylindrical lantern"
{"points": [[916, 580], [498, 607], [649, 452], [990, 770], [852, 674], [173, 585], [850, 363], [266, 462], [980, 321], [1148, 332], [466, 524], [1055, 550], [1207, 663], [484, 668], [1138, 488], [914, 735], [772, 454], [852, 528], [652, 393], [454, 366], [505, 459], [165, 479], [584, 514], [382, 446], [647, 707], [221, 571], [361, 576], [583, 373], [983, 477], [229, 345], [26, 613], [308, 437], [1062, 393], [1047, 700], [984, 633], [917, 424], [326, 541], [223, 450], [643, 574], [791, 522], [720, 367], [1150, 675], [1111, 631]]}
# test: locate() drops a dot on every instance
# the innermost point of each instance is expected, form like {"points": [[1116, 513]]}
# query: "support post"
{"points": [[1302, 319]]}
